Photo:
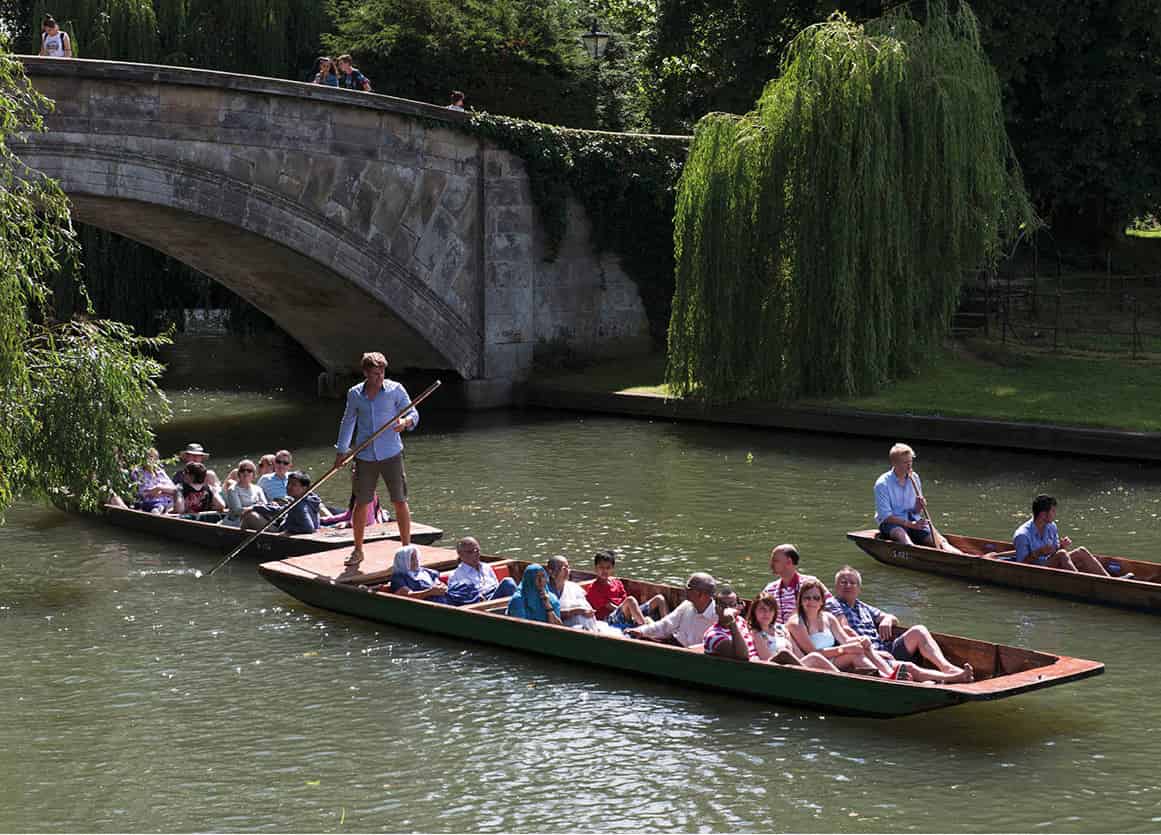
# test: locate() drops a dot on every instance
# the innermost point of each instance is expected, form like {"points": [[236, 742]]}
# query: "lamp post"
{"points": [[595, 41]]}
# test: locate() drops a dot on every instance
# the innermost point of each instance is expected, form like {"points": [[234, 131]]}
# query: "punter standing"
{"points": [[370, 404]]}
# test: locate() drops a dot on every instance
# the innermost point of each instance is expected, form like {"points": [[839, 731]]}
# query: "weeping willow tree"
{"points": [[76, 397], [820, 239]]}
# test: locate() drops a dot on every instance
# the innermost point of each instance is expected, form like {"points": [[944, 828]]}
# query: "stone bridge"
{"points": [[355, 221]]}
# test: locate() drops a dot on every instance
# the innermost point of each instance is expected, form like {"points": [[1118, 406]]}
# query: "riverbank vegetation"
{"points": [[821, 238], [77, 397], [974, 379]]}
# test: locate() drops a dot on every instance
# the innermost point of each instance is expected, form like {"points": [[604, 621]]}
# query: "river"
{"points": [[140, 698]]}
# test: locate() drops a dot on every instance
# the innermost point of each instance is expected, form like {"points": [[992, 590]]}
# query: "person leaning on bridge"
{"points": [[370, 404], [53, 42], [899, 504]]}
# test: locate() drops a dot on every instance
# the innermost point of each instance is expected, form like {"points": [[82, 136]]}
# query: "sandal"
{"points": [[353, 560]]}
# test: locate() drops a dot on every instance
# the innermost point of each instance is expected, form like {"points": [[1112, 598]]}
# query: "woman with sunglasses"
{"points": [[243, 495], [814, 629]]}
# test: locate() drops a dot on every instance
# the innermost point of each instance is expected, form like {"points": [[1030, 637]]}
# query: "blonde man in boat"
{"points": [[878, 626], [900, 508], [686, 624], [1038, 541]]}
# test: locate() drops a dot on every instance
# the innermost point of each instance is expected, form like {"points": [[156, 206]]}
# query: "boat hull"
{"points": [[268, 545], [831, 692], [1139, 594]]}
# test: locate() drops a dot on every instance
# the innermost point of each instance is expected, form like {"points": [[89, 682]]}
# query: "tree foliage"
{"points": [[76, 398], [820, 239], [517, 57]]}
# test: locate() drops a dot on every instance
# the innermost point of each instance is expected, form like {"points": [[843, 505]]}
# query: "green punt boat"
{"points": [[269, 545], [1002, 671], [979, 564]]}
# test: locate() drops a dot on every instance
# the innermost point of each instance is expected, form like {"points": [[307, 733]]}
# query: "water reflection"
{"points": [[145, 699]]}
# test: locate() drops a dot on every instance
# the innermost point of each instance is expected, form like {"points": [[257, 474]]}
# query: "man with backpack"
{"points": [[53, 42]]}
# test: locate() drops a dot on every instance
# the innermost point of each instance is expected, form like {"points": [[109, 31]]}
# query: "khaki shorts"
{"points": [[367, 479]]}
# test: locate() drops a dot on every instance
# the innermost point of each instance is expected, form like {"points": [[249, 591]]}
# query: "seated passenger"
{"points": [[685, 625], [276, 485], [413, 580], [155, 489], [243, 494], [814, 629], [612, 603], [878, 626], [265, 465], [193, 453], [729, 636], [771, 640], [1038, 541], [784, 561], [534, 600], [575, 611], [303, 518], [474, 580], [196, 497]]}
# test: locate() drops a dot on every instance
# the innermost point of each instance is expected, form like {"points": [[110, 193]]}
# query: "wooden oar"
{"points": [[936, 537], [328, 474]]}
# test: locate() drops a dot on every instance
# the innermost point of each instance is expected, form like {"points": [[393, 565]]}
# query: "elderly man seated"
{"points": [[879, 626], [685, 625], [474, 580]]}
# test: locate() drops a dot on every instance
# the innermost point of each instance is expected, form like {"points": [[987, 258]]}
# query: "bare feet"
{"points": [[966, 675]]}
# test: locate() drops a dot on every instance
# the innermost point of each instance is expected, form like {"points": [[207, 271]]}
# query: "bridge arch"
{"points": [[349, 219]]}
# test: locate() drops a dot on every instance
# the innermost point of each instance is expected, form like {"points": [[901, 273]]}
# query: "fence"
{"points": [[1085, 312]]}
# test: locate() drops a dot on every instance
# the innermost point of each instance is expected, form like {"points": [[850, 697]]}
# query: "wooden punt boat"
{"points": [[979, 563], [1002, 671], [269, 545]]}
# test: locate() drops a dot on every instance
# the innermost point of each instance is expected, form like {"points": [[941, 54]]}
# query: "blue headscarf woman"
{"points": [[411, 579], [535, 599]]}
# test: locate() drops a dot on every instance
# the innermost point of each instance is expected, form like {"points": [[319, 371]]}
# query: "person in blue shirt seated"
{"points": [[413, 580], [899, 503], [275, 485], [1039, 541], [474, 580], [303, 517], [534, 600], [878, 626]]}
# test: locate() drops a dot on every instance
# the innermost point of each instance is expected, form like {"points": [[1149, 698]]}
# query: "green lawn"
{"points": [[992, 382]]}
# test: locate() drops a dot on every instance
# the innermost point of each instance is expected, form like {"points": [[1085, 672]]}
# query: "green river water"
{"points": [[139, 698]]}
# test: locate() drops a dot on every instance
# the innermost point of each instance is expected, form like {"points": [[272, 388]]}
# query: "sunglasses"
{"points": [[281, 461], [245, 469], [812, 597]]}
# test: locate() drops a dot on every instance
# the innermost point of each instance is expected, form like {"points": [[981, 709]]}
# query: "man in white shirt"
{"points": [[688, 622], [474, 580]]}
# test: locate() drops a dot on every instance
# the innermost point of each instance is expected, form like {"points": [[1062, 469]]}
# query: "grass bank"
{"points": [[981, 380]]}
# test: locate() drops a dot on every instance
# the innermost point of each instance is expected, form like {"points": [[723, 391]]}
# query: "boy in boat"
{"points": [[879, 627], [303, 517], [900, 506], [613, 604], [1039, 541]]}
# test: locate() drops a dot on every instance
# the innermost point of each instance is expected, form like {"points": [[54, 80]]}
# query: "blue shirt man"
{"points": [[1032, 542], [1038, 541], [372, 405], [899, 501]]}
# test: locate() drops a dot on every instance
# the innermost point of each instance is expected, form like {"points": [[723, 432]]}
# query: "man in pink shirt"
{"points": [[784, 564]]}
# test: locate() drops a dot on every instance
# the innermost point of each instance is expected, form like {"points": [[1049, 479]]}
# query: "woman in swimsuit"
{"points": [[814, 629]]}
